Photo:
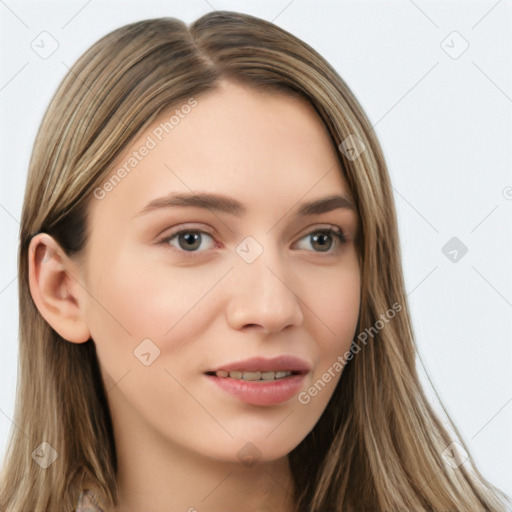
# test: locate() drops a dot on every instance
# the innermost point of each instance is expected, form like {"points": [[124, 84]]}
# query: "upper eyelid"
{"points": [[311, 229], [175, 230]]}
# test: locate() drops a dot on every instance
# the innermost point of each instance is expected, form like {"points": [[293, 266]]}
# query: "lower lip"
{"points": [[261, 392]]}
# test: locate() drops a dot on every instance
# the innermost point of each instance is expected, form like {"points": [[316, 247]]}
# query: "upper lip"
{"points": [[262, 364]]}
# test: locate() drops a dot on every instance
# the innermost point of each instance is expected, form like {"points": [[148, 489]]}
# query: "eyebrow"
{"points": [[221, 203]]}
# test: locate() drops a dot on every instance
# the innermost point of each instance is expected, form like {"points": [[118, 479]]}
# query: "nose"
{"points": [[262, 296]]}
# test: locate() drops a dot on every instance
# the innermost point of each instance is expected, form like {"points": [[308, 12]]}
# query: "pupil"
{"points": [[189, 241], [322, 242]]}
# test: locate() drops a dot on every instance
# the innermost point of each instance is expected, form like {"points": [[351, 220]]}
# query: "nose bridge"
{"points": [[262, 292]]}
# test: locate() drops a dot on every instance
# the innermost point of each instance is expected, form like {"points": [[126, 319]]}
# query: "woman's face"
{"points": [[216, 246]]}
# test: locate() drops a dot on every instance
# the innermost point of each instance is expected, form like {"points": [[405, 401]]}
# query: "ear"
{"points": [[55, 290]]}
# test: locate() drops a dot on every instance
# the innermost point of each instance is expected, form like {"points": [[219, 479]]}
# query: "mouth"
{"points": [[260, 369], [254, 376], [260, 381]]}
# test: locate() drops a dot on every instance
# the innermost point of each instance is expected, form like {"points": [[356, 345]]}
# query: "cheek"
{"points": [[135, 302], [335, 303], [142, 325], [334, 311]]}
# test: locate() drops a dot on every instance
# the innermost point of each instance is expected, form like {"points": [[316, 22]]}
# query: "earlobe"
{"points": [[54, 288]]}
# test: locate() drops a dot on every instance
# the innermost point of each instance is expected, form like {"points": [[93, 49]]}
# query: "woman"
{"points": [[213, 307]]}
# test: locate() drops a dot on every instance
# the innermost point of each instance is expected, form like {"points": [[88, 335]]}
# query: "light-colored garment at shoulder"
{"points": [[88, 502]]}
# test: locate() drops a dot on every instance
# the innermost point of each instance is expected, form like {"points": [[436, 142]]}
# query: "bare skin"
{"points": [[183, 443]]}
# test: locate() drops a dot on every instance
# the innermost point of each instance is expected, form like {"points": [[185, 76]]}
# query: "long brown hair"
{"points": [[378, 445]]}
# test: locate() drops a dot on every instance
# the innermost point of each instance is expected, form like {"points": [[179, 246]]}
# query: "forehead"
{"points": [[265, 149]]}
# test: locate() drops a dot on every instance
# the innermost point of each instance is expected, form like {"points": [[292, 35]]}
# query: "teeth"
{"points": [[253, 376]]}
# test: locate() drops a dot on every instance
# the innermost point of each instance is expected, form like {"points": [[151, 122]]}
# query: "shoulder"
{"points": [[88, 501]]}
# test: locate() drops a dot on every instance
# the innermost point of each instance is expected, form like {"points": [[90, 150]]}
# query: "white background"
{"points": [[445, 125]]}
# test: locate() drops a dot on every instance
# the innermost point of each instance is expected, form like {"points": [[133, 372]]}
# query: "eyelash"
{"points": [[336, 232]]}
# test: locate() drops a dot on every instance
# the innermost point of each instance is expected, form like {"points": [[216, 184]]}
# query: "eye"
{"points": [[190, 240], [322, 240]]}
